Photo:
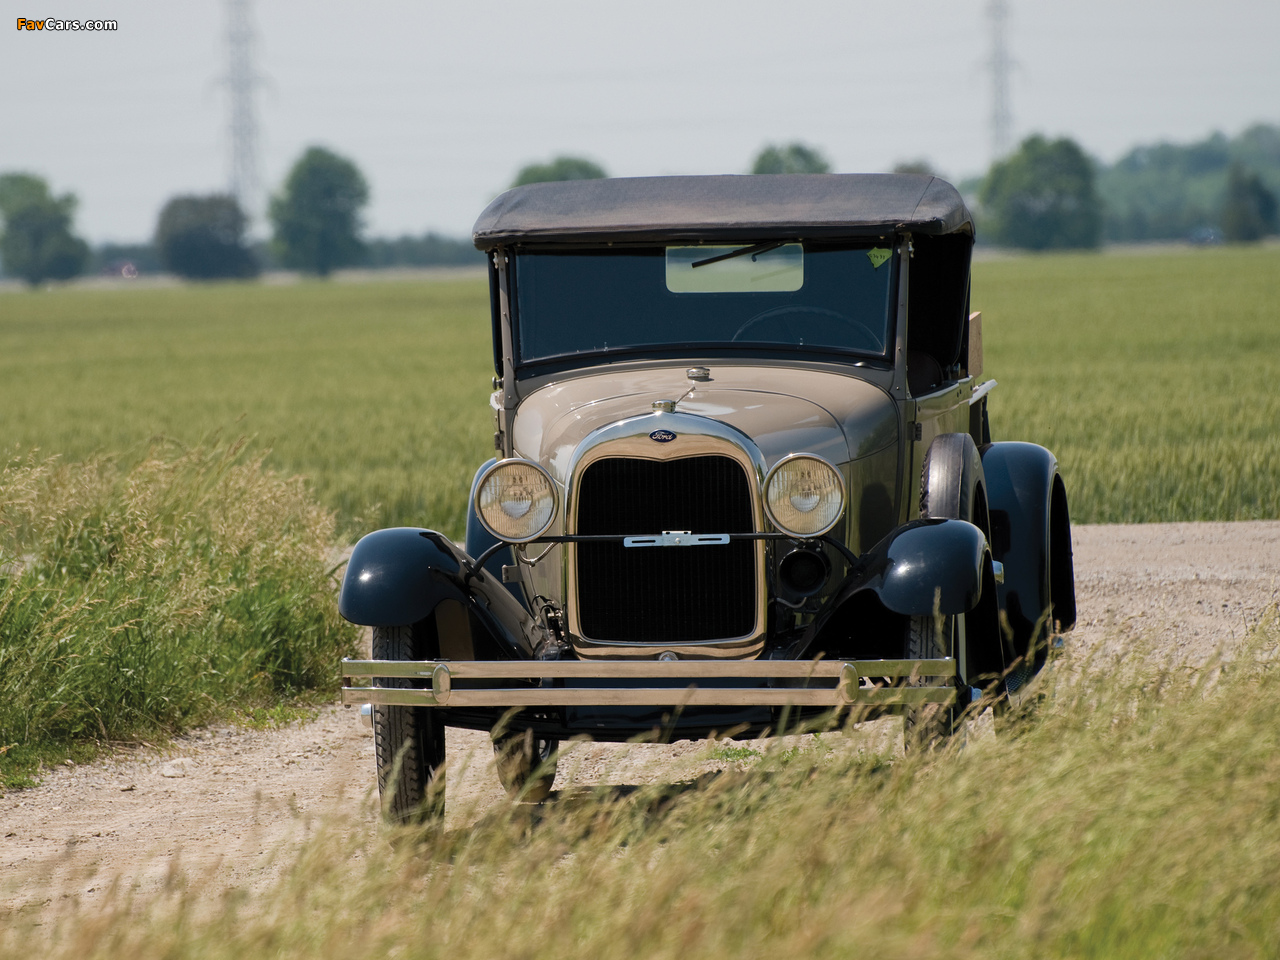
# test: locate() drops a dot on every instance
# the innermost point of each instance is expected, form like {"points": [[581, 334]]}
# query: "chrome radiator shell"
{"points": [[690, 437]]}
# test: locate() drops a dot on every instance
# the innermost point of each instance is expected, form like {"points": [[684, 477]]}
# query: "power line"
{"points": [[1000, 65], [242, 79]]}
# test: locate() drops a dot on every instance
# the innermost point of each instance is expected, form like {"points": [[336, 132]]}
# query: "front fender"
{"points": [[926, 567], [922, 567], [400, 575]]}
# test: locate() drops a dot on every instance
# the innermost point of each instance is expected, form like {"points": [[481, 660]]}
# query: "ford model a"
{"points": [[743, 467]]}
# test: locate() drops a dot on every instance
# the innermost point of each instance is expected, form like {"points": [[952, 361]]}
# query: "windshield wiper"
{"points": [[741, 252]]}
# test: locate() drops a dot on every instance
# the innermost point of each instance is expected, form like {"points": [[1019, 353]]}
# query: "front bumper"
{"points": [[569, 683]]}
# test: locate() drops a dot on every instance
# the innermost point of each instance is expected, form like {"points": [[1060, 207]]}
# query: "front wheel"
{"points": [[930, 725], [953, 487], [526, 764], [408, 741]]}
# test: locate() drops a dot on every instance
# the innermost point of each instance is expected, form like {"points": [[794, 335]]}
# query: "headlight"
{"points": [[803, 495], [516, 500]]}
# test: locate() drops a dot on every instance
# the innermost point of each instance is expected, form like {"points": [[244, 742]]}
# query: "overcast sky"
{"points": [[441, 103]]}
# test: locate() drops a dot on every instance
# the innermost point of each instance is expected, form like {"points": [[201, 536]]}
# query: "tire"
{"points": [[931, 725], [526, 765], [408, 741], [952, 483], [952, 487]]}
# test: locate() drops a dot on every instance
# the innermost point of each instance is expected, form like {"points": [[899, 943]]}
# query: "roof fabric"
{"points": [[764, 206]]}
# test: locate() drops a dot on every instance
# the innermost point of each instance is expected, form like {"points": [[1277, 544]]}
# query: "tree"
{"points": [[37, 244], [1249, 212], [1169, 191], [561, 168], [317, 215], [203, 238], [1043, 197], [792, 158], [922, 167]]}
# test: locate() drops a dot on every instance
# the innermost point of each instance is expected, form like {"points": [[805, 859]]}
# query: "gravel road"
{"points": [[223, 800]]}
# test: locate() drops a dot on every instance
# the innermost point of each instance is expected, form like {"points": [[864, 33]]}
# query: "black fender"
{"points": [[1031, 537], [479, 539], [928, 566], [923, 567], [400, 575]]}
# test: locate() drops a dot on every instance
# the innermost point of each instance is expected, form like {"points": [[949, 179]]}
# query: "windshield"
{"points": [[810, 297]]}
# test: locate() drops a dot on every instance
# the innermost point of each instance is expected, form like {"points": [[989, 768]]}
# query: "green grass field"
{"points": [[377, 393], [1153, 377]]}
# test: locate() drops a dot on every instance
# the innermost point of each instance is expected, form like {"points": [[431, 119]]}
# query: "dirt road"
{"points": [[223, 799]]}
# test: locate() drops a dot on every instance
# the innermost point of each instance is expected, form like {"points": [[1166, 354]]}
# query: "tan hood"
{"points": [[783, 410]]}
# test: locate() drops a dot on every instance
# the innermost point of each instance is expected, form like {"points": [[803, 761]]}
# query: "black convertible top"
{"points": [[748, 207]]}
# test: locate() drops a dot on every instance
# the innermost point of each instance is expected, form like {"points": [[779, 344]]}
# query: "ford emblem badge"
{"points": [[662, 436]]}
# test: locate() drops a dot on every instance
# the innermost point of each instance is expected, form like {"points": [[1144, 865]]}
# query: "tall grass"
{"points": [[1129, 814], [138, 602]]}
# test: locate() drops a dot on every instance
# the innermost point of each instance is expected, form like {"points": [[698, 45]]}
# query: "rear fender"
{"points": [[1031, 537], [401, 575]]}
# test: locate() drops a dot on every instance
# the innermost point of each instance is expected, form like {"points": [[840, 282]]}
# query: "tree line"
{"points": [[1167, 191], [1048, 194]]}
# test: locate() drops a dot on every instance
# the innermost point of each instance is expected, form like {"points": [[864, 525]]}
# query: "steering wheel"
{"points": [[776, 316]]}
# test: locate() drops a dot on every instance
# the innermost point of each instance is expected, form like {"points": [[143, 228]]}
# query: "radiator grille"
{"points": [[665, 594]]}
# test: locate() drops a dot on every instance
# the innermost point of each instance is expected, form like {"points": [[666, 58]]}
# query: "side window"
{"points": [[937, 307]]}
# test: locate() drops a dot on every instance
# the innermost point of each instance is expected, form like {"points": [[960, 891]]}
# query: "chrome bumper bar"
{"points": [[857, 683]]}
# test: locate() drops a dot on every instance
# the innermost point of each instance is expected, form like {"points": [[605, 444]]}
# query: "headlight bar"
{"points": [[667, 539]]}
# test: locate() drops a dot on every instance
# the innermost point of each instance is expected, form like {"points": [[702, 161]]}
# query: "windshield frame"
{"points": [[720, 349]]}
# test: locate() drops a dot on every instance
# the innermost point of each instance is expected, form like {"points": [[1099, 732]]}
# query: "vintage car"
{"points": [[744, 478]]}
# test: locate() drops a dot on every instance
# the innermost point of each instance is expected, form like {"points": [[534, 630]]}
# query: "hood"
{"points": [[783, 410]]}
